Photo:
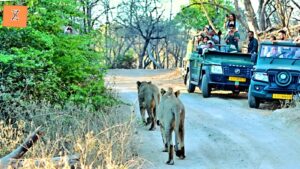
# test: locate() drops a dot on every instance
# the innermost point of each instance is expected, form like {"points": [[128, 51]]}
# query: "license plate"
{"points": [[237, 79], [282, 96]]}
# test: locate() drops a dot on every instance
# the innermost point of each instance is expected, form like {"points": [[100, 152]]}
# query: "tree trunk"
{"points": [[181, 57], [208, 18], [84, 19], [89, 18], [281, 13], [151, 56], [262, 14], [252, 21], [167, 53], [142, 54]]}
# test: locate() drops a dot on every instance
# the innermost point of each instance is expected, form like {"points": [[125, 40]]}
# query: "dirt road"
{"points": [[221, 131]]}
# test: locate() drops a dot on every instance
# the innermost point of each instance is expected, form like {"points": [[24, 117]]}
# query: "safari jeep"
{"points": [[276, 74], [216, 70]]}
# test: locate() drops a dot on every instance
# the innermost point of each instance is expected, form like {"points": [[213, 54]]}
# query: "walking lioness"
{"points": [[148, 96], [170, 115]]}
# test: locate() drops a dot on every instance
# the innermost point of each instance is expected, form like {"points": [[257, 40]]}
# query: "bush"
{"points": [[56, 81], [41, 62], [103, 139], [125, 62]]}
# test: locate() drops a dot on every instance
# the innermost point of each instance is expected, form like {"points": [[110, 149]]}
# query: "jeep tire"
{"points": [[206, 90], [252, 101], [190, 87]]}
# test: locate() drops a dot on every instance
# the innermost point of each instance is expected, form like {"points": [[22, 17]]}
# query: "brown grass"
{"points": [[103, 139]]}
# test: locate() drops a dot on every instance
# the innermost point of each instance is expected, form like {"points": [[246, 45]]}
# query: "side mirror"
{"points": [[254, 58]]}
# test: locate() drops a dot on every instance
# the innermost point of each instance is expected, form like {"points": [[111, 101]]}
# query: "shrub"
{"points": [[103, 139], [40, 62]]}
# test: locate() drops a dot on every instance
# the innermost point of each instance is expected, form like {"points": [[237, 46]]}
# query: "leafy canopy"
{"points": [[41, 62]]}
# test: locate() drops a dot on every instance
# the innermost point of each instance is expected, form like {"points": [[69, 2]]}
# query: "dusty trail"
{"points": [[221, 131]]}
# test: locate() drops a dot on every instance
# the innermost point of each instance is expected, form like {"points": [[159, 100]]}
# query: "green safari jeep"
{"points": [[216, 70], [276, 74]]}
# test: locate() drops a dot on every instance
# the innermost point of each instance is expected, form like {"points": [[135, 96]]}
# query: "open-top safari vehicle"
{"points": [[276, 74], [218, 70]]}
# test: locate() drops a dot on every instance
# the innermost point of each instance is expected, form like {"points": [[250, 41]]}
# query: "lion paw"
{"points": [[152, 129], [148, 120], [170, 162], [180, 154]]}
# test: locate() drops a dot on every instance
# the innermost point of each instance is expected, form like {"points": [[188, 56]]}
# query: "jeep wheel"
{"points": [[252, 101], [190, 87], [206, 90]]}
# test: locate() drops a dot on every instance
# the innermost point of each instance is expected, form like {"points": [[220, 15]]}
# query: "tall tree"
{"points": [[216, 10], [251, 17], [143, 18]]}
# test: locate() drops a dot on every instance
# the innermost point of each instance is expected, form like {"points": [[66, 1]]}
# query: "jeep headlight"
{"points": [[216, 69], [261, 76]]}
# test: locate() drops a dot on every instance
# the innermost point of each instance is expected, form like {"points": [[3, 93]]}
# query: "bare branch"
{"points": [[296, 4], [271, 14], [208, 18]]}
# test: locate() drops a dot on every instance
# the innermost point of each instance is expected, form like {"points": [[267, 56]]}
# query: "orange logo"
{"points": [[15, 16]]}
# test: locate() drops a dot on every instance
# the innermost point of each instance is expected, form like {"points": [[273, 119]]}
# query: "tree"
{"points": [[252, 21], [88, 20], [217, 10], [142, 18], [41, 62], [270, 13]]}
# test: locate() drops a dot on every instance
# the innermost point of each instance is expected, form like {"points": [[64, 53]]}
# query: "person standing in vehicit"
{"points": [[204, 42], [253, 43], [233, 37], [214, 37], [231, 20]]}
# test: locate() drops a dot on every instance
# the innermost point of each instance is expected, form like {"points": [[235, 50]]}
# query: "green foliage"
{"points": [[41, 63], [125, 62], [194, 16]]}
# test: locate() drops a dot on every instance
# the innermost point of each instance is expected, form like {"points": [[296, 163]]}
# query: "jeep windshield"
{"points": [[280, 52]]}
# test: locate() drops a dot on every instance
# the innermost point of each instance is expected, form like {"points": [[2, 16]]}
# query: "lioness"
{"points": [[148, 96], [170, 115]]}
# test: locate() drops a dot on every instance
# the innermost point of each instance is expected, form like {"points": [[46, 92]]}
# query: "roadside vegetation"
{"points": [[55, 81]]}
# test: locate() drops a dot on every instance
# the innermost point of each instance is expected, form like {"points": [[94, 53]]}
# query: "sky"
{"points": [[176, 6], [166, 5]]}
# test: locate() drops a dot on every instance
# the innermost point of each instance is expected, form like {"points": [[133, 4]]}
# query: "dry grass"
{"points": [[10, 136], [103, 139]]}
